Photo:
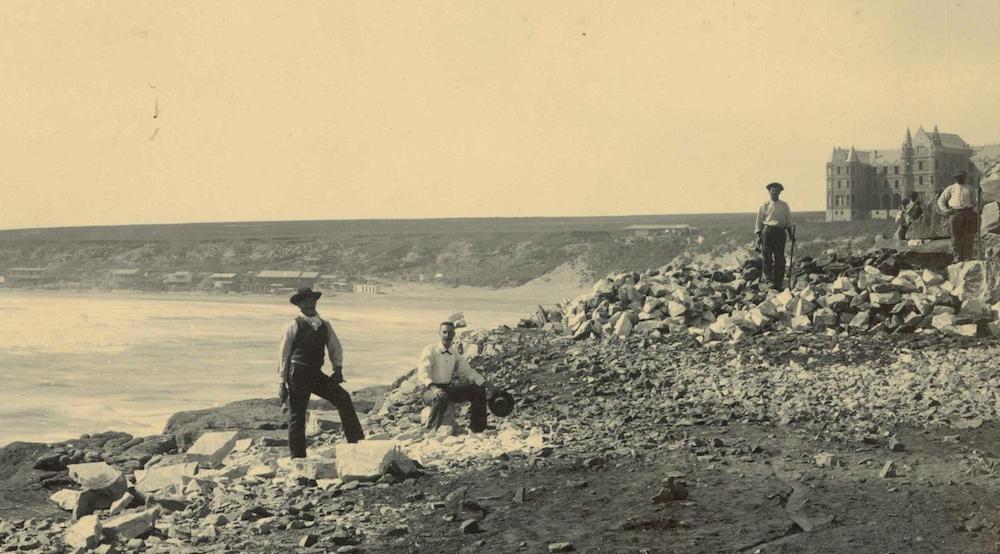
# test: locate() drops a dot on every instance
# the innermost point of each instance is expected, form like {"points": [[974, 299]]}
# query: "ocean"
{"points": [[75, 363]]}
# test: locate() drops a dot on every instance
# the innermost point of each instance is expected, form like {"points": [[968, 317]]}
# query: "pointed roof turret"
{"points": [[852, 156], [909, 139]]}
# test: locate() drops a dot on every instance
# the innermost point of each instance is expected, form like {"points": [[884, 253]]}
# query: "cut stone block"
{"points": [[66, 499], [320, 421], [368, 460], [211, 448], [85, 533], [161, 477], [132, 525]]}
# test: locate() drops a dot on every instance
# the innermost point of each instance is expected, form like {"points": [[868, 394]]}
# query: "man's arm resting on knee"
{"points": [[437, 391]]}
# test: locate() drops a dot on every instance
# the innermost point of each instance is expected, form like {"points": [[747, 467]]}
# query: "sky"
{"points": [[129, 112]]}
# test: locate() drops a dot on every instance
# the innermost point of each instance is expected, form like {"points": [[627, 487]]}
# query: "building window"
{"points": [[932, 179], [920, 179], [896, 172], [920, 166], [838, 170], [896, 184]]}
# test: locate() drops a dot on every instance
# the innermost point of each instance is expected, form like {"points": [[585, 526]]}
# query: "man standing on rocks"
{"points": [[959, 202], [437, 366], [773, 222], [909, 213], [300, 365]]}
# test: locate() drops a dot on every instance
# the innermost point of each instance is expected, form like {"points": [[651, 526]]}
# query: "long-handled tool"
{"points": [[979, 223], [791, 261]]}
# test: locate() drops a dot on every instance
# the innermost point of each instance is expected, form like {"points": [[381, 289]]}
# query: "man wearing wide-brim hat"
{"points": [[300, 366], [960, 203], [772, 226]]}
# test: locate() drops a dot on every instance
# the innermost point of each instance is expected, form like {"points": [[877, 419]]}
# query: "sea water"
{"points": [[74, 363]]}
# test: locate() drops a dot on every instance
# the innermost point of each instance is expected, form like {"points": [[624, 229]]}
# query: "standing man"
{"points": [[437, 366], [910, 212], [773, 222], [959, 202], [300, 367]]}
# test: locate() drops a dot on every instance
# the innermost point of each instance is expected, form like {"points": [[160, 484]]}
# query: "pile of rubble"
{"points": [[872, 294], [228, 490]]}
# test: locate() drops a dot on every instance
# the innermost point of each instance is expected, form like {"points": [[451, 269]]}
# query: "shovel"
{"points": [[791, 262]]}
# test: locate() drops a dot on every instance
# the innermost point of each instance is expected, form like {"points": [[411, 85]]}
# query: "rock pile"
{"points": [[235, 491], [873, 294], [223, 489]]}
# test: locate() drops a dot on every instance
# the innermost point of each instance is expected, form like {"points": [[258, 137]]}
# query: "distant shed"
{"points": [[654, 230], [271, 280]]}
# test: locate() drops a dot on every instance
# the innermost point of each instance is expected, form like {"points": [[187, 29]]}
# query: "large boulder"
{"points": [[623, 327], [247, 415], [369, 460], [100, 485], [990, 221], [976, 279]]}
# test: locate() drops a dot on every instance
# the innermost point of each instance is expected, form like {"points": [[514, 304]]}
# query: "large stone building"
{"points": [[871, 184]]}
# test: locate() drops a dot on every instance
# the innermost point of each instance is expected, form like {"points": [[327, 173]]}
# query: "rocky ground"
{"points": [[780, 441]]}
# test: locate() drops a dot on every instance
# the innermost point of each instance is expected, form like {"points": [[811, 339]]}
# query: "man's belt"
{"points": [[775, 226]]}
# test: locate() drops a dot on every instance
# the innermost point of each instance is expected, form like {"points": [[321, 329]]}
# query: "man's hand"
{"points": [[489, 388], [438, 392], [338, 375]]}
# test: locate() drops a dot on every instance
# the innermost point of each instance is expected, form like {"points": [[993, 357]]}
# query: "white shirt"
{"points": [[438, 366], [957, 196], [774, 214], [288, 339]]}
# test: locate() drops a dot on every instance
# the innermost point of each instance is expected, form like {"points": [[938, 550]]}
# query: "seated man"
{"points": [[435, 370]]}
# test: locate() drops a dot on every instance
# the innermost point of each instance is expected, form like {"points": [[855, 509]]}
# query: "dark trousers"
{"points": [[964, 224], [772, 246], [305, 381], [475, 394]]}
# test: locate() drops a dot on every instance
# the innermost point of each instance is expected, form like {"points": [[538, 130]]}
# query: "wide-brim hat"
{"points": [[778, 186], [302, 294], [501, 404], [958, 174]]}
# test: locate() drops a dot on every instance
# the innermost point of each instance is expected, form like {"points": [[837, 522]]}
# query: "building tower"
{"points": [[906, 161]]}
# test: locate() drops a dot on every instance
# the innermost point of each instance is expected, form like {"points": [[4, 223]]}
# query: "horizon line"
{"points": [[387, 219]]}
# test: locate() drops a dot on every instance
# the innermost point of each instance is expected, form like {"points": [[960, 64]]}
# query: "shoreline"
{"points": [[512, 304]]}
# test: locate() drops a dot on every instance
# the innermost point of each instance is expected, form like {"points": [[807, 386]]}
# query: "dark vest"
{"points": [[307, 348]]}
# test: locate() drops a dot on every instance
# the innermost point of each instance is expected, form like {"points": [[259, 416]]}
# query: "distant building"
{"points": [[179, 280], [127, 278], [333, 284], [222, 282], [654, 230], [27, 276], [283, 281], [871, 184], [367, 289]]}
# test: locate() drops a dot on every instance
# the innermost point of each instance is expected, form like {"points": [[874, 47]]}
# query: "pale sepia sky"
{"points": [[333, 110]]}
